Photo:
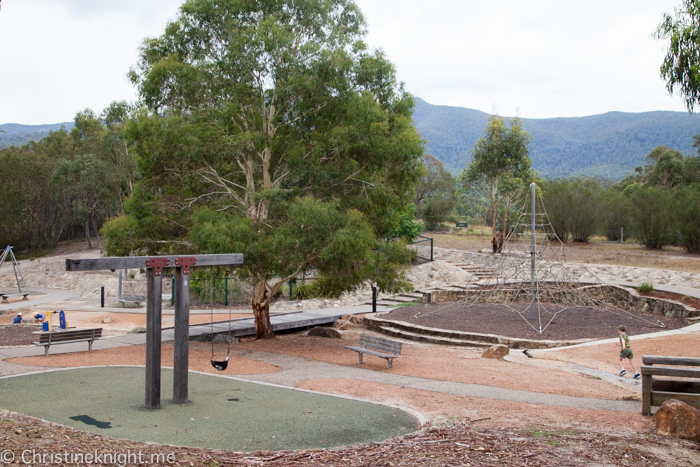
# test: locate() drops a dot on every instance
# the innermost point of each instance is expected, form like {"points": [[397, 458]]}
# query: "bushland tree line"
{"points": [[269, 128], [66, 185]]}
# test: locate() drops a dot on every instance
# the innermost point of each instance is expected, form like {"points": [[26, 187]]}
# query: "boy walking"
{"points": [[626, 351]]}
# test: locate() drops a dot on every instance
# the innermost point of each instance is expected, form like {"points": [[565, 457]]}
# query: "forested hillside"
{"points": [[14, 134], [608, 145]]}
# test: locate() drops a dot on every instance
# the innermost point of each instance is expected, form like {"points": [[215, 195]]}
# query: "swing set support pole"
{"points": [[154, 298], [182, 335]]}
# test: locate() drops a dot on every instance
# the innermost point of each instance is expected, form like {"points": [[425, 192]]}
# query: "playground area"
{"points": [[564, 404]]}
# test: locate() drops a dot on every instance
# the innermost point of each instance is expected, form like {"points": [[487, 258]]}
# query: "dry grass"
{"points": [[598, 250]]}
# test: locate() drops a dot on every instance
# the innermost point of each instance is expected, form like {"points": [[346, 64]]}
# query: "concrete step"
{"points": [[403, 334], [398, 299]]}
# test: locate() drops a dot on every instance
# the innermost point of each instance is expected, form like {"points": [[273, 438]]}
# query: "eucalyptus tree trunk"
{"points": [[261, 310], [495, 243]]}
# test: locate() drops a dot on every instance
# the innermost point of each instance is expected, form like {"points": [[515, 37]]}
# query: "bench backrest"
{"points": [[75, 334], [377, 343], [660, 360]]}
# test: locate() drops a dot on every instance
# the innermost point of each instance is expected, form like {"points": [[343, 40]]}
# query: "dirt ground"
{"points": [[604, 357], [499, 413], [599, 251], [581, 436], [443, 363], [200, 355]]}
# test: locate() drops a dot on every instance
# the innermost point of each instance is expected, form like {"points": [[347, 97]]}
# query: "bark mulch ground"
{"points": [[514, 321], [465, 443], [17, 335]]}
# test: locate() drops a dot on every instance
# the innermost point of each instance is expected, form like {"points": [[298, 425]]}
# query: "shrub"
{"points": [[650, 214], [687, 216], [646, 287]]}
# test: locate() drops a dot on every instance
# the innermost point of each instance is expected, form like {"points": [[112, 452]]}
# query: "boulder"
{"points": [[678, 420], [224, 339], [324, 332], [108, 319], [497, 351], [357, 319], [137, 330]]}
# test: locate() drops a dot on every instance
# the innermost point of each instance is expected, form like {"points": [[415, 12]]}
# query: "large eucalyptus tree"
{"points": [[273, 131]]}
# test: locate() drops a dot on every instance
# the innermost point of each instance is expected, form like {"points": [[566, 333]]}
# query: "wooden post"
{"points": [[154, 297], [182, 336], [646, 394]]}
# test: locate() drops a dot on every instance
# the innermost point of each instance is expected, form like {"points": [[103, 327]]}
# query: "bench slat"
{"points": [[658, 398], [63, 336], [672, 385], [671, 371], [380, 344], [660, 360], [371, 352]]}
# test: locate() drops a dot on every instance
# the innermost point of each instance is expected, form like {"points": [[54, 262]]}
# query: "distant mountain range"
{"points": [[609, 145], [17, 135]]}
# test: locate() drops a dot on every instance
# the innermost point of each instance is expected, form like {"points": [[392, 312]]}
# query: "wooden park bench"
{"points": [[132, 299], [68, 337], [371, 345], [5, 296], [684, 387]]}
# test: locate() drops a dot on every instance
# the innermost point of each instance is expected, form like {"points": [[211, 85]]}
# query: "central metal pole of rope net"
{"points": [[533, 189]]}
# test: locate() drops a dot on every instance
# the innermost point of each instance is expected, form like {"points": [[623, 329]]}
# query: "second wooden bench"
{"points": [[377, 346], [655, 390], [68, 337]]}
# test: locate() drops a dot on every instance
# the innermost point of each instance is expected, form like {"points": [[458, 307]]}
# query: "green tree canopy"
{"points": [[271, 130], [500, 157], [681, 66], [435, 193]]}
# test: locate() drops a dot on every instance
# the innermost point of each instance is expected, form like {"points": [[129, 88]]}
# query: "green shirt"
{"points": [[624, 341]]}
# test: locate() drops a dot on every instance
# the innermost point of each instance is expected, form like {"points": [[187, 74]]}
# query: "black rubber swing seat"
{"points": [[220, 365]]}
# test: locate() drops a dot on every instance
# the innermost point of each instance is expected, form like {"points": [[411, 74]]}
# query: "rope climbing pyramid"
{"points": [[532, 278]]}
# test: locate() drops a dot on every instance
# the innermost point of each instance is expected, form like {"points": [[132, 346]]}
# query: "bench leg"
{"points": [[4, 300], [646, 394], [89, 346], [46, 350], [25, 298], [359, 358], [390, 361]]}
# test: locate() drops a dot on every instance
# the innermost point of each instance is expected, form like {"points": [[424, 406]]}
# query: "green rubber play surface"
{"points": [[223, 413]]}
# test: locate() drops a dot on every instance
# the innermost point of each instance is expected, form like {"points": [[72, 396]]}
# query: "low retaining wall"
{"points": [[594, 296], [378, 321]]}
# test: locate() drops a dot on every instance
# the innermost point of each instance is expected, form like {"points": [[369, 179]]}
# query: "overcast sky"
{"points": [[541, 58]]}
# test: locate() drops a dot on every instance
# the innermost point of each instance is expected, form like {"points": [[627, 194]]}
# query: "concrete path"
{"points": [[297, 369], [52, 295]]}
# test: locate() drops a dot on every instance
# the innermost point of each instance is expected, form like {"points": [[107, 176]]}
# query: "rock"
{"points": [[324, 332], [679, 420], [497, 351], [206, 337], [441, 422], [357, 319], [224, 339], [138, 330], [108, 319], [344, 325]]}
